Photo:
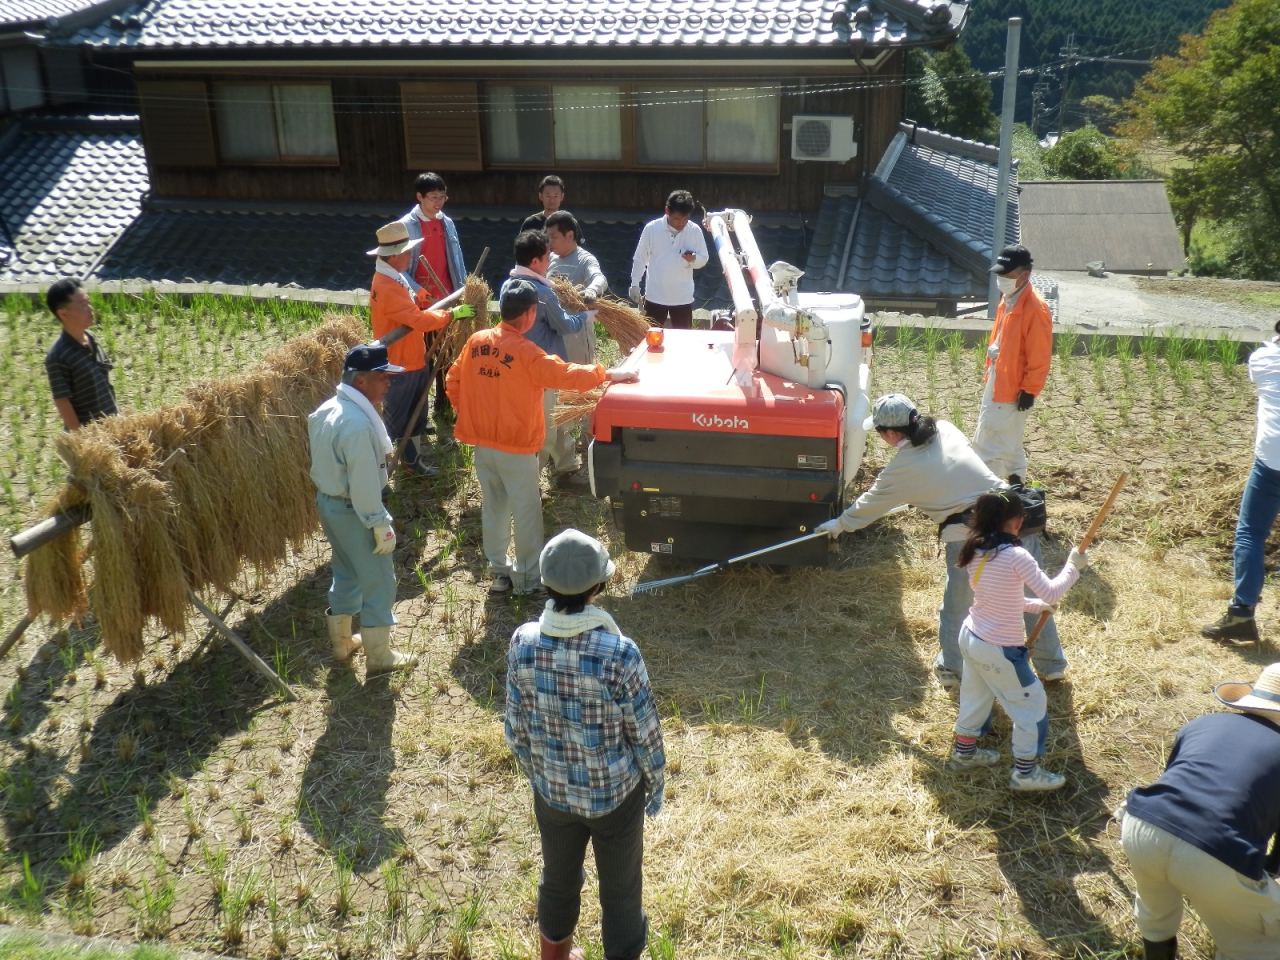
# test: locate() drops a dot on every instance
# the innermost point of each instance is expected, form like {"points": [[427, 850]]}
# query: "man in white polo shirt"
{"points": [[670, 249]]}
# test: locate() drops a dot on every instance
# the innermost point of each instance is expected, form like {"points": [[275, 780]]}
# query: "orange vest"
{"points": [[496, 386], [1026, 346], [391, 305]]}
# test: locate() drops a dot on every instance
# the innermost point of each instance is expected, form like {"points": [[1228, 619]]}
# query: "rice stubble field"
{"points": [[809, 810]]}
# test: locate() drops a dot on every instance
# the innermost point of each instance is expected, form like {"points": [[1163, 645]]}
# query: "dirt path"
{"points": [[1189, 303]]}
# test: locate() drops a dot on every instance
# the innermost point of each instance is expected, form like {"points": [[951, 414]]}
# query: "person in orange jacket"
{"points": [[1018, 355], [496, 386], [392, 304]]}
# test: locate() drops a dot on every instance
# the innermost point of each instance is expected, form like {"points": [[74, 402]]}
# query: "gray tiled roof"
{"points": [[68, 187], [253, 247], [548, 24], [923, 228], [54, 14]]}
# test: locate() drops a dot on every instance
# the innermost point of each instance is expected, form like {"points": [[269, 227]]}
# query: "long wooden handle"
{"points": [[1085, 542]]}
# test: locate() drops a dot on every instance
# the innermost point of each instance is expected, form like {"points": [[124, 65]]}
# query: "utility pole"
{"points": [[1068, 53], [998, 239], [1038, 94]]}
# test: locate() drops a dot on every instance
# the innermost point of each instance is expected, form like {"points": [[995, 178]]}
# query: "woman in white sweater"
{"points": [[936, 471]]}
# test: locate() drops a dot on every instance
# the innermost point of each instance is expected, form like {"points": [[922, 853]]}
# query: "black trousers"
{"points": [[617, 839], [679, 318]]}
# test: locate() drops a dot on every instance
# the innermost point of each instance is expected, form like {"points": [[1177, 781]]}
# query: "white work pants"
{"points": [[558, 446], [509, 484], [992, 673], [998, 439], [1242, 914]]}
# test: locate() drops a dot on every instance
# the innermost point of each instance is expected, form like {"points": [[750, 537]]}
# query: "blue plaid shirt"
{"points": [[581, 720]]}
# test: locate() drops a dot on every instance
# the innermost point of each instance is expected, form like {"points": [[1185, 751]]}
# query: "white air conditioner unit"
{"points": [[822, 138]]}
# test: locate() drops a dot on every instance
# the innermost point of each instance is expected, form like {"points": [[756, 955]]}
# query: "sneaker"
{"points": [[949, 679], [422, 468], [500, 585], [980, 758], [1053, 676], [1037, 781], [1232, 629]]}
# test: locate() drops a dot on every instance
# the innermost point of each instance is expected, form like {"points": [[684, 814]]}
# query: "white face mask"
{"points": [[1006, 285]]}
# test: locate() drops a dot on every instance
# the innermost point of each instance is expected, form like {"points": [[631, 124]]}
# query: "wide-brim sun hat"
{"points": [[393, 238], [1260, 697]]}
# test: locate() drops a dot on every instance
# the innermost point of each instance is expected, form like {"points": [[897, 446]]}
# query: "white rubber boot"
{"points": [[379, 656], [344, 642]]}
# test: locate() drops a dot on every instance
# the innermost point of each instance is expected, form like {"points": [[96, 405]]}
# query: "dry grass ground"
{"points": [[809, 811]]}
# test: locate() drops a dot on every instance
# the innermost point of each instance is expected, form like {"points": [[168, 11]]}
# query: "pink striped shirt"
{"points": [[997, 578]]}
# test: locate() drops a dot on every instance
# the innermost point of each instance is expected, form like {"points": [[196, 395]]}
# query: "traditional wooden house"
{"points": [[763, 105]]}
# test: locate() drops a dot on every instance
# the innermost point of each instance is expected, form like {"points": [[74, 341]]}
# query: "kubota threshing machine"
{"points": [[740, 438]]}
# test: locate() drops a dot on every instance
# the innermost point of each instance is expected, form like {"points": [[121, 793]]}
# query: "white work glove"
{"points": [[384, 540], [588, 296], [634, 293], [617, 375], [1077, 559], [993, 351], [831, 528]]}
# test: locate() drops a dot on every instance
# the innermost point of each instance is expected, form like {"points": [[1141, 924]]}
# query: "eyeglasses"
{"points": [[437, 197]]}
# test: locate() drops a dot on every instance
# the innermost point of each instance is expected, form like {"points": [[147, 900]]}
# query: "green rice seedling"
{"points": [[152, 905], [955, 347], [932, 338], [243, 824], [236, 905], [1098, 347], [1228, 352], [344, 886], [469, 916], [1064, 343], [980, 357], [1124, 352], [215, 862], [77, 862], [393, 884], [281, 925], [30, 888]]}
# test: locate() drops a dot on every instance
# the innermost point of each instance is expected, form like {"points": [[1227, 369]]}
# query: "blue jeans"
{"points": [[1259, 508], [958, 598], [363, 581]]}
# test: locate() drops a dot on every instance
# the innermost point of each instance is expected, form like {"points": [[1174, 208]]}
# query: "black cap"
{"points": [[517, 292], [1015, 257], [368, 357]]}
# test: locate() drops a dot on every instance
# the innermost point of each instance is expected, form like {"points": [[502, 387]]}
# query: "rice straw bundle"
{"points": [[625, 324], [443, 348], [573, 405], [240, 497]]}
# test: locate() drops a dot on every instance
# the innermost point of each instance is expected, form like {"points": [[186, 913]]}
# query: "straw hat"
{"points": [[1261, 697], [393, 238]]}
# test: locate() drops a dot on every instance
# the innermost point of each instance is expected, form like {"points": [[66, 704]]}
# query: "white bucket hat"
{"points": [[393, 238], [893, 411], [1261, 697]]}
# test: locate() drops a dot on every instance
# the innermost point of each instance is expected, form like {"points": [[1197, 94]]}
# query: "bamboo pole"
{"points": [[1085, 542]]}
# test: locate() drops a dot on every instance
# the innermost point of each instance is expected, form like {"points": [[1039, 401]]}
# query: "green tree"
{"points": [[1084, 154], [1217, 104], [951, 95]]}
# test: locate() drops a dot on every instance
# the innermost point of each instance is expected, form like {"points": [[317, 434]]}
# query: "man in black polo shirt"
{"points": [[1203, 830], [79, 369]]}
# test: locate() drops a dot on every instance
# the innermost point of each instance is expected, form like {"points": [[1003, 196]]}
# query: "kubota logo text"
{"points": [[720, 423]]}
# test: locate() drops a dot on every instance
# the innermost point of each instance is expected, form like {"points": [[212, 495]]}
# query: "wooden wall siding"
{"points": [[450, 140], [176, 124], [373, 151]]}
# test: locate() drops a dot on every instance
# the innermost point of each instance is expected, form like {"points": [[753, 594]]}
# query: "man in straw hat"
{"points": [[1202, 831], [393, 304], [349, 450], [584, 728], [497, 385], [1018, 355]]}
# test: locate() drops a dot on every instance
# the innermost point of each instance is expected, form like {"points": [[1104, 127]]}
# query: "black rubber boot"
{"points": [[1160, 949]]}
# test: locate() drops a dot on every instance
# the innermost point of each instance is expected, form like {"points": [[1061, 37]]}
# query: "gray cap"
{"points": [[518, 292], [893, 411], [573, 563]]}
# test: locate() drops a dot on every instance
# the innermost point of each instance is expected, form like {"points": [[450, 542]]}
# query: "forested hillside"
{"points": [[1136, 30]]}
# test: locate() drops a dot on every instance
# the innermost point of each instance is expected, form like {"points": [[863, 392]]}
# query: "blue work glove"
{"points": [[654, 804], [1025, 401]]}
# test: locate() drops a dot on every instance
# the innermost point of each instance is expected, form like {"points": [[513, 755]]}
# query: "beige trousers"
{"points": [[558, 447], [509, 484], [1242, 914], [998, 439]]}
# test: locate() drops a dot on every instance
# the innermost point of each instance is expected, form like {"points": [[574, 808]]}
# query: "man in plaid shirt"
{"points": [[581, 721]]}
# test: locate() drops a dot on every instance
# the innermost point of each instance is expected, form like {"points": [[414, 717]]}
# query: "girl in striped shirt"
{"points": [[993, 643]]}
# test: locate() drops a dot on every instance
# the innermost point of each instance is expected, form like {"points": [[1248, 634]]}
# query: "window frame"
{"points": [[630, 91], [281, 161]]}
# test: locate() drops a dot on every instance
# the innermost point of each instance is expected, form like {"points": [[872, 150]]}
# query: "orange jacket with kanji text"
{"points": [[496, 386], [391, 305], [1026, 346]]}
